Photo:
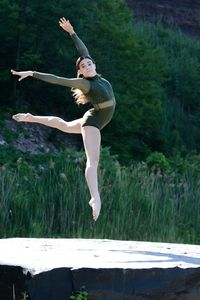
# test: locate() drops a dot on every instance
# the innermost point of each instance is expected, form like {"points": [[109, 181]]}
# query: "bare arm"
{"points": [[80, 46]]}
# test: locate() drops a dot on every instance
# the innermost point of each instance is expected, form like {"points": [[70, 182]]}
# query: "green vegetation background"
{"points": [[149, 176]]}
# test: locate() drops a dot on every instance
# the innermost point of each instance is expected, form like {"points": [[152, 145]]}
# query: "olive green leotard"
{"points": [[97, 89]]}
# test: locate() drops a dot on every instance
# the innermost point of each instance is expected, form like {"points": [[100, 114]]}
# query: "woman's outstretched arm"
{"points": [[80, 46], [78, 83]]}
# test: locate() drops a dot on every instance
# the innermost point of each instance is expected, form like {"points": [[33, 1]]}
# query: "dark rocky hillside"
{"points": [[184, 14]]}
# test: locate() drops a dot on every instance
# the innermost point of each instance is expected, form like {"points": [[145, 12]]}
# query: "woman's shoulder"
{"points": [[98, 77]]}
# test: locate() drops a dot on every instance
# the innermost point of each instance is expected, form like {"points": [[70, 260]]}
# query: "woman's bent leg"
{"points": [[92, 141], [50, 121]]}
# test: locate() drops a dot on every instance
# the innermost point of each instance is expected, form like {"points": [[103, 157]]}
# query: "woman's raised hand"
{"points": [[22, 74], [65, 24]]}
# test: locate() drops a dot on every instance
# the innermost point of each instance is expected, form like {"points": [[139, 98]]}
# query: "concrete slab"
{"points": [[109, 269], [40, 255]]}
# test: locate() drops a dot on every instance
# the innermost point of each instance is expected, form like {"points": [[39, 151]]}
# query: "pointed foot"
{"points": [[22, 117], [96, 207]]}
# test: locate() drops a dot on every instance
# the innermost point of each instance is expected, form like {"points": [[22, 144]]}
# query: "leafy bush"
{"points": [[158, 162], [80, 295]]}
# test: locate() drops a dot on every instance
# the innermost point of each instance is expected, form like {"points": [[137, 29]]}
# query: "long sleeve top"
{"points": [[97, 89]]}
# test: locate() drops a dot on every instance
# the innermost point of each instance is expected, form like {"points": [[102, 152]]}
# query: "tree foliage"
{"points": [[154, 72], [180, 121]]}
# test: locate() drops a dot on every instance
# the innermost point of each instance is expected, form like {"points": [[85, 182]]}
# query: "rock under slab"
{"points": [[52, 269]]}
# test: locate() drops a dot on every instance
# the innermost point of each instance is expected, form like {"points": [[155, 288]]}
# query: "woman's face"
{"points": [[87, 68]]}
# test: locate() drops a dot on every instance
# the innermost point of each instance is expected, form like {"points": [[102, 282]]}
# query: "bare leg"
{"points": [[92, 141], [55, 122]]}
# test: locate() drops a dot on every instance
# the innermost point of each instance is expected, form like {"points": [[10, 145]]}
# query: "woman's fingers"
{"points": [[22, 76], [63, 22], [63, 19], [13, 72], [16, 73]]}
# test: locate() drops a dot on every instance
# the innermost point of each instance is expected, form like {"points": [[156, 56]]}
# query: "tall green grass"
{"points": [[51, 200]]}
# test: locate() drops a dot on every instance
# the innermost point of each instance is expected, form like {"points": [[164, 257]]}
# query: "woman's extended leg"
{"points": [[55, 122], [92, 141]]}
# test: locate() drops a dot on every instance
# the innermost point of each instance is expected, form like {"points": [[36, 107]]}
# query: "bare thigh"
{"points": [[70, 127], [92, 141]]}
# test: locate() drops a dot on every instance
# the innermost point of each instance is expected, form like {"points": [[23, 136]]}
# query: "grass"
{"points": [[51, 200]]}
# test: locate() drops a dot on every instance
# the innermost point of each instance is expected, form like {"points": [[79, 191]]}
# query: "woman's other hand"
{"points": [[22, 74], [65, 24]]}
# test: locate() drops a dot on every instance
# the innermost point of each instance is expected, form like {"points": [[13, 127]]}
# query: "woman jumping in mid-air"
{"points": [[87, 87]]}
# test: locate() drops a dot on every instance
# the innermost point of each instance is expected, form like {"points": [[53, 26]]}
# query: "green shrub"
{"points": [[157, 161], [80, 295]]}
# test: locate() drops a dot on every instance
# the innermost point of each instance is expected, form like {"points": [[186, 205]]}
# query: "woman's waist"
{"points": [[104, 104]]}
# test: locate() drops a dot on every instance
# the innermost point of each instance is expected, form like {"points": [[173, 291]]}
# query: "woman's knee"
{"points": [[92, 163], [56, 122]]}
